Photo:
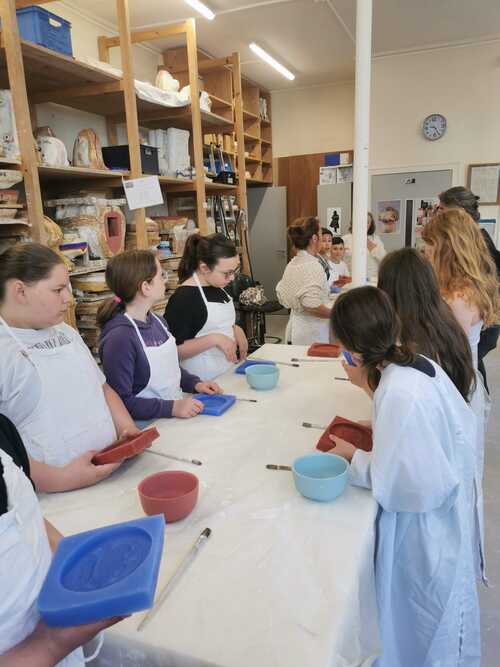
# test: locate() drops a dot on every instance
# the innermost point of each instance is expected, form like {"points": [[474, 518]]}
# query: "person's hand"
{"points": [[227, 346], [208, 388], [82, 472], [241, 342], [342, 448], [129, 432], [365, 422], [60, 642], [370, 245], [185, 408]]}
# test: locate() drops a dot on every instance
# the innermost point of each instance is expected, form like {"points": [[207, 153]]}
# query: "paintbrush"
{"points": [[174, 458], [272, 466], [310, 425], [281, 363]]}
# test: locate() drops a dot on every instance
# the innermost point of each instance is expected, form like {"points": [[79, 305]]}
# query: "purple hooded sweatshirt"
{"points": [[127, 369]]}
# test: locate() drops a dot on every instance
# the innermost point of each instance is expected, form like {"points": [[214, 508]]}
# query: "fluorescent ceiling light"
{"points": [[271, 61], [201, 8]]}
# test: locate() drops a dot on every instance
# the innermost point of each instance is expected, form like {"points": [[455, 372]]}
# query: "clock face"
{"points": [[434, 126]]}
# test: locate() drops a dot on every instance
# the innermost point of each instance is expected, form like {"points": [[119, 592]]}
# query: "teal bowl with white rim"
{"points": [[320, 477], [262, 376]]}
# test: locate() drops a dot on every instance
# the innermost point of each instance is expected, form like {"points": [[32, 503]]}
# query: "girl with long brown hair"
{"points": [[138, 353], [420, 472], [468, 282]]}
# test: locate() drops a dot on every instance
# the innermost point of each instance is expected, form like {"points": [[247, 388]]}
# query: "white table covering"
{"points": [[283, 581]]}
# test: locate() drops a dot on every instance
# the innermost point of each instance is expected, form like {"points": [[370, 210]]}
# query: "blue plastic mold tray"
{"points": [[241, 369], [101, 573], [216, 404]]}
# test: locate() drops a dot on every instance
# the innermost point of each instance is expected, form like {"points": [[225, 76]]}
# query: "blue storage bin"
{"points": [[38, 25], [332, 159]]}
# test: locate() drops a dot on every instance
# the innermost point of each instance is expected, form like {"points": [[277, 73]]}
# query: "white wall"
{"points": [[65, 122], [463, 83], [313, 120]]}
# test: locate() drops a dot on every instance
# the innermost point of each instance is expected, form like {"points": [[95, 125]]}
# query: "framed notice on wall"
{"points": [[484, 181]]}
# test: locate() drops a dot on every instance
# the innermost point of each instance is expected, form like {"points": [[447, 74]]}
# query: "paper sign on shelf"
{"points": [[143, 192]]}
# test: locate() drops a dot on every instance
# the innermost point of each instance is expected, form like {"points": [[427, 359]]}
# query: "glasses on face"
{"points": [[229, 274]]}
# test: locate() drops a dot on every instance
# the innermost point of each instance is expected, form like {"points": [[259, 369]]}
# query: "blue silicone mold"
{"points": [[101, 573], [216, 404], [242, 367]]}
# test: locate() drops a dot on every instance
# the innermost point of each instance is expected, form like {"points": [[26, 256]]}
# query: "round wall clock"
{"points": [[434, 126]]}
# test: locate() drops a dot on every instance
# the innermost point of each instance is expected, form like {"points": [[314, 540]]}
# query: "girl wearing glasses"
{"points": [[138, 352], [201, 313]]}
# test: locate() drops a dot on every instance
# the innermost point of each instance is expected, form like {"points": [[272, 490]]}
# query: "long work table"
{"points": [[283, 581]]}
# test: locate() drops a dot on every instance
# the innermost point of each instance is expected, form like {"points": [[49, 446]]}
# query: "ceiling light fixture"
{"points": [[271, 61], [201, 8]]}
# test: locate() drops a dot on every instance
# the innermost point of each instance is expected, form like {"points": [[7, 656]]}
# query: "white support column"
{"points": [[361, 139]]}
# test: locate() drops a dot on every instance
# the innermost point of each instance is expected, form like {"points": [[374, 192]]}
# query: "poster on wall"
{"points": [[334, 219], [389, 216], [423, 209]]}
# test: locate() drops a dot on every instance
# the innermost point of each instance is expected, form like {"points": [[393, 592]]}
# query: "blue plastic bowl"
{"points": [[321, 477], [262, 376]]}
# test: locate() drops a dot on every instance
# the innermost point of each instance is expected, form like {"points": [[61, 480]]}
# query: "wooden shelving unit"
{"points": [[257, 135]]}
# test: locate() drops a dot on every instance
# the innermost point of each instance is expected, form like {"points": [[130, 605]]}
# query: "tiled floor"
{"points": [[489, 597]]}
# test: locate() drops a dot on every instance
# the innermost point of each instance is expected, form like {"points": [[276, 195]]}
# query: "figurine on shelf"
{"points": [[55, 238], [9, 142], [87, 151]]}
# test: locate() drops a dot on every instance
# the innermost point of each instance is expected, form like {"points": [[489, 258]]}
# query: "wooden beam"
{"points": [[196, 126], [103, 49], [149, 35], [27, 3], [131, 113], [60, 94], [17, 83], [240, 138]]}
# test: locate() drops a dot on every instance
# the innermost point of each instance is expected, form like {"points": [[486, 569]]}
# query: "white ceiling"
{"points": [[311, 37]]}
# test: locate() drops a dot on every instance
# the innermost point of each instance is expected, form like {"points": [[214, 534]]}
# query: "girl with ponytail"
{"points": [[138, 353], [201, 313], [421, 473]]}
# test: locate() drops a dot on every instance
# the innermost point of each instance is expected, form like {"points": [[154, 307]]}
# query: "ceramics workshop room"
{"points": [[249, 315]]}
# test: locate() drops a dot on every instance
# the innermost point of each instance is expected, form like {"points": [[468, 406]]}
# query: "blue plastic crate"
{"points": [[38, 25], [332, 159]]}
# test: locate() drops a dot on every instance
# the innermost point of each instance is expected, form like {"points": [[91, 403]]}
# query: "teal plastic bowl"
{"points": [[321, 477], [262, 376]]}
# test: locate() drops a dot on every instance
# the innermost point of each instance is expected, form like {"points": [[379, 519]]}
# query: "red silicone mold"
{"points": [[342, 280], [126, 449], [323, 350], [358, 435], [172, 493]]}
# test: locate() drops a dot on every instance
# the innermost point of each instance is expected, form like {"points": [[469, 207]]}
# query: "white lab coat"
{"points": [[374, 257], [421, 472]]}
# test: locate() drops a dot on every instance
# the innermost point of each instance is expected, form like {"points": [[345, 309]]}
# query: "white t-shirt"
{"points": [[338, 269], [20, 384]]}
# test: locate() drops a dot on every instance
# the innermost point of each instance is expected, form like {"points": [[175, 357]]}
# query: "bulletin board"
{"points": [[484, 181]]}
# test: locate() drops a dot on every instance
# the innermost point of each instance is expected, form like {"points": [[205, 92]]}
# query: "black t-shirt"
{"points": [[186, 313], [11, 444]]}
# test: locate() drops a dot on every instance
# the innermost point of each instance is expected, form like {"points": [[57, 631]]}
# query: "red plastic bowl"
{"points": [[323, 350], [358, 435], [126, 449], [172, 493]]}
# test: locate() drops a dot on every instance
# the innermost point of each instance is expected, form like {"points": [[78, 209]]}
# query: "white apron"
{"points": [[72, 416], [304, 329], [480, 403], [221, 318], [25, 558], [164, 371]]}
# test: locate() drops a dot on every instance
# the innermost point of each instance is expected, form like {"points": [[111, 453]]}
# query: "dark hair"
{"points": [[302, 230], [29, 262], [461, 197], [427, 323], [364, 321], [371, 229], [337, 240], [324, 230], [206, 249], [125, 274]]}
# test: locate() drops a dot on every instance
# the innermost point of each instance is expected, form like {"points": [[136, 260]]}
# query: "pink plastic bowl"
{"points": [[172, 493]]}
